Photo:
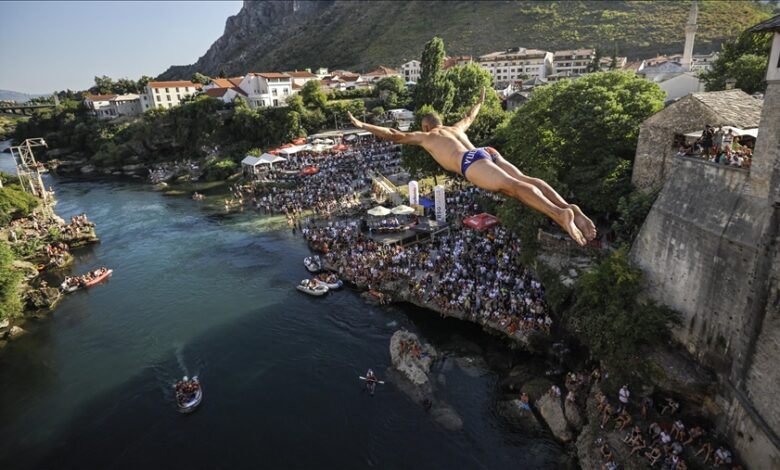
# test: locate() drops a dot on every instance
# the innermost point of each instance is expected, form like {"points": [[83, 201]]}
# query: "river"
{"points": [[200, 292]]}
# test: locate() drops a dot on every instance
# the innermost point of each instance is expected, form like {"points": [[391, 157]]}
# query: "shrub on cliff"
{"points": [[15, 203], [217, 170], [609, 317], [10, 301]]}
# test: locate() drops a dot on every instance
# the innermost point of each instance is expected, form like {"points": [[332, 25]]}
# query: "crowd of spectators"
{"points": [[720, 146], [334, 189], [473, 275]]}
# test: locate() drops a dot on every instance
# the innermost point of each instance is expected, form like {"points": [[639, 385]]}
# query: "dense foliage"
{"points": [[580, 135], [608, 315], [632, 212], [10, 300], [744, 59], [14, 202], [105, 85]]}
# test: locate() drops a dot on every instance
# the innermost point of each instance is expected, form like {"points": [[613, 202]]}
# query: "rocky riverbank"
{"points": [[41, 243]]}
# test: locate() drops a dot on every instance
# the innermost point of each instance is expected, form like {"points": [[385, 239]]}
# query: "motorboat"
{"points": [[314, 288], [330, 281], [188, 402], [313, 264], [70, 284], [100, 275]]}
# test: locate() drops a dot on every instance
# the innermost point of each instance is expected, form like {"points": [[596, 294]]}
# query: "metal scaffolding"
{"points": [[27, 168]]}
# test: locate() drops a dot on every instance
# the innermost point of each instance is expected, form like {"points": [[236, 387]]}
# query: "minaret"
{"points": [[690, 33]]}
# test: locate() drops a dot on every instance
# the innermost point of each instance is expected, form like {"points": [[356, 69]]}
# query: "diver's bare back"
{"points": [[447, 145]]}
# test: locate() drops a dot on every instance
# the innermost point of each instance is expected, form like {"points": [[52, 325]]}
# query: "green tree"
{"points": [[433, 88], [10, 300], [295, 103], [632, 212], [468, 81], [143, 81], [744, 59], [198, 77], [103, 85], [580, 135], [609, 317], [595, 64], [313, 96]]}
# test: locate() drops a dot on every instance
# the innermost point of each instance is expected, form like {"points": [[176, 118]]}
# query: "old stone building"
{"points": [[710, 249], [655, 150]]}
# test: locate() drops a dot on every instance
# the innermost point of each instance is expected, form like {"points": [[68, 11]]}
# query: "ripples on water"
{"points": [[195, 292]]}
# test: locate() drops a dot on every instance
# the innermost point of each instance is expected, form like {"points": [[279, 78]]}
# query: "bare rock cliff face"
{"points": [[256, 26]]}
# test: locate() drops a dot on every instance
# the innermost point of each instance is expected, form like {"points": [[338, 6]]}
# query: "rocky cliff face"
{"points": [[288, 34]]}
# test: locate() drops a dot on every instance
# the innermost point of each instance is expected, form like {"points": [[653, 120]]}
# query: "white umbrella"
{"points": [[379, 211], [327, 141], [317, 141], [403, 210]]}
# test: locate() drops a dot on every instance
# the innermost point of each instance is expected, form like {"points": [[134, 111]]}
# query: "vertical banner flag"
{"points": [[414, 193], [441, 204]]}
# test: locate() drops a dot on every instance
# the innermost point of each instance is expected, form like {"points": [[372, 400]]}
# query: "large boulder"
{"points": [[44, 297], [403, 347], [16, 332], [87, 169], [552, 412]]}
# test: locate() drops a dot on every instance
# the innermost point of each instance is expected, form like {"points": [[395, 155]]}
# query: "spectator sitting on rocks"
{"points": [[555, 391], [722, 456], [623, 395], [647, 405], [706, 447], [671, 405], [695, 433], [678, 429], [623, 419], [653, 455]]}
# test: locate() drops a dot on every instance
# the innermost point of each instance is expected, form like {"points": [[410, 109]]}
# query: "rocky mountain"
{"points": [[294, 34]]}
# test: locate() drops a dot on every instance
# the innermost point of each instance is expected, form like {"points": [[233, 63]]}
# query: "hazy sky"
{"points": [[47, 46]]}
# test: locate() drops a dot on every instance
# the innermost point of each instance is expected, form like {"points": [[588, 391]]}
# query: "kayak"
{"points": [[100, 278], [313, 264], [316, 291], [192, 402]]}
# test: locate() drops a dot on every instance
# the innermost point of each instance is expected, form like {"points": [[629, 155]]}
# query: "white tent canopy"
{"points": [[292, 150], [402, 210], [379, 211], [734, 130], [269, 159], [249, 160]]}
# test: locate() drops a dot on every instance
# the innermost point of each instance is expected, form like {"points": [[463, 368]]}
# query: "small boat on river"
{"points": [[313, 264], [189, 394], [97, 276], [312, 287]]}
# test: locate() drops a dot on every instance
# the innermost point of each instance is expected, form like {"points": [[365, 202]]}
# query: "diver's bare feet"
{"points": [[586, 226], [566, 221]]}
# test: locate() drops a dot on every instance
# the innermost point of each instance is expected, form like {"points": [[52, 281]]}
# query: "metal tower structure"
{"points": [[27, 168]]}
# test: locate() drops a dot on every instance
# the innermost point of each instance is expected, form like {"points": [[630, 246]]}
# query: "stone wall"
{"points": [[710, 249]]}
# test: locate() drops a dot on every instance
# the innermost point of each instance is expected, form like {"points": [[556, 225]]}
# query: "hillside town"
{"points": [[515, 71]]}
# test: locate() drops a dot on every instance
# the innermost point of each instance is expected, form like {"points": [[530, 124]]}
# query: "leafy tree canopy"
{"points": [[744, 59]]}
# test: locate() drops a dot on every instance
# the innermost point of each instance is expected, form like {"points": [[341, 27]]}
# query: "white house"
{"points": [[573, 62], [681, 85], [100, 105], [167, 94], [516, 63], [300, 78], [267, 88], [410, 71], [226, 95], [223, 83], [126, 105], [380, 73]]}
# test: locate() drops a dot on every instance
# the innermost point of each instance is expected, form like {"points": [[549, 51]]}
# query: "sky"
{"points": [[56, 45]]}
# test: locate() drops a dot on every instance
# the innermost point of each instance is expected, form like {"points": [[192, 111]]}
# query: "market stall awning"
{"points": [[379, 211], [299, 141], [402, 210], [481, 221]]}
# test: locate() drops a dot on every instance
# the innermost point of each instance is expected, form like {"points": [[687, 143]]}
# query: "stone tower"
{"points": [[690, 34]]}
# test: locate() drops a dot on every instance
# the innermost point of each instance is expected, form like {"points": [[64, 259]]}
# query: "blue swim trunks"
{"points": [[474, 155]]}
